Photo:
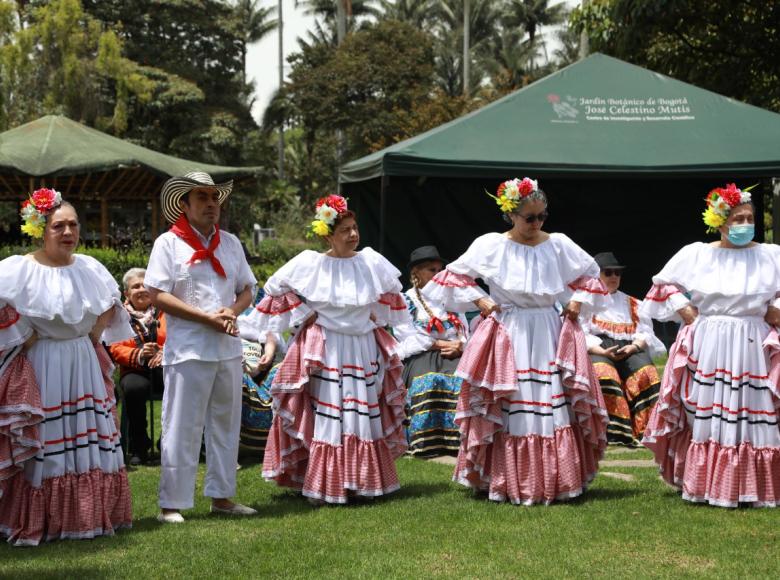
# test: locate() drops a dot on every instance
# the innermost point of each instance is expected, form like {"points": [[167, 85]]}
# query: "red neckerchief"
{"points": [[183, 229], [436, 323]]}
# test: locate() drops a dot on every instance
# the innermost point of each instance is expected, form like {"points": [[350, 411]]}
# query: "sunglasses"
{"points": [[609, 272], [531, 218]]}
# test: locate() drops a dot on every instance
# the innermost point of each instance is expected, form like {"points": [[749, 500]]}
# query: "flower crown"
{"points": [[36, 208], [720, 202], [328, 209], [511, 192]]}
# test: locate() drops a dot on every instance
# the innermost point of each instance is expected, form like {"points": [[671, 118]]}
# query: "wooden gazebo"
{"points": [[95, 171]]}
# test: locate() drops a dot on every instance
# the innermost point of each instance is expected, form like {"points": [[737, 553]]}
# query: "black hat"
{"points": [[607, 260], [423, 254]]}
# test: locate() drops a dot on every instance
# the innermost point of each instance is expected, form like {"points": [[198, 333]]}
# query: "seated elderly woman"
{"points": [[622, 345], [140, 361], [431, 353]]}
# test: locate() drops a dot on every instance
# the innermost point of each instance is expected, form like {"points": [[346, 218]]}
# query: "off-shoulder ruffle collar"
{"points": [[355, 281], [66, 292], [708, 269], [546, 268]]}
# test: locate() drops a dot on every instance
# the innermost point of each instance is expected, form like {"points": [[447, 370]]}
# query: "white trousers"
{"points": [[198, 394]]}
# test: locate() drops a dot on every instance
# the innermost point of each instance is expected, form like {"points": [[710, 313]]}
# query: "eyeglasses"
{"points": [[531, 218], [609, 272]]}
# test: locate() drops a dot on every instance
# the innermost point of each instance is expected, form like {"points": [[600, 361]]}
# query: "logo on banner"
{"points": [[565, 108]]}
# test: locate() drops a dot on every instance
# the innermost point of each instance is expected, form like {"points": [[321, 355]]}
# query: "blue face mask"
{"points": [[741, 235]]}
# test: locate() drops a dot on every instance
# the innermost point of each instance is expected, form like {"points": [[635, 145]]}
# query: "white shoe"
{"points": [[170, 518], [235, 510]]}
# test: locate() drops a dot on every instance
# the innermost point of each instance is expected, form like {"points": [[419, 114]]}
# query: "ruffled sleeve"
{"points": [[391, 310], [580, 272], [668, 293], [277, 314], [586, 322], [14, 328], [118, 327]]}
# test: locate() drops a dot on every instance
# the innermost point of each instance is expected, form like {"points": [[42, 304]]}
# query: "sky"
{"points": [[262, 57]]}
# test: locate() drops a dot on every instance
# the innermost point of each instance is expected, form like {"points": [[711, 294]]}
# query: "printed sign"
{"points": [[570, 109]]}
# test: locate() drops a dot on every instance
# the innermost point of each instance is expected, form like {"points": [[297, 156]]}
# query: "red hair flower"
{"points": [[45, 199]]}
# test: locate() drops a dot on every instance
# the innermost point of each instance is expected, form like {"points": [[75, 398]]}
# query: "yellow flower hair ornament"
{"points": [[511, 192], [328, 209], [720, 202], [36, 208]]}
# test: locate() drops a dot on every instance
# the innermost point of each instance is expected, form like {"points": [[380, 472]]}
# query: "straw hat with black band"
{"points": [[177, 187]]}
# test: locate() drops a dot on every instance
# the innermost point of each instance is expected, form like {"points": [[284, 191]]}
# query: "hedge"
{"points": [[270, 255]]}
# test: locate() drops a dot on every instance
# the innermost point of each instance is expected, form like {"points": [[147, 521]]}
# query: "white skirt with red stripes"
{"points": [[75, 486], [338, 416], [714, 430], [531, 414]]}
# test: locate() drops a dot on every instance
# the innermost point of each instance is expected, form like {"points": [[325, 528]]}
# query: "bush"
{"points": [[116, 261], [270, 255]]}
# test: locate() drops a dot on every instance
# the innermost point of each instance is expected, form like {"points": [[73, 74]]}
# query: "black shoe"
{"points": [[135, 461]]}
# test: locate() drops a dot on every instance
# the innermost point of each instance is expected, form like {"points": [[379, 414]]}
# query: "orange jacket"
{"points": [[125, 353]]}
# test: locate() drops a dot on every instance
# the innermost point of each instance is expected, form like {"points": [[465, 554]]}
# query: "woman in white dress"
{"points": [[622, 345], [338, 396], [531, 415], [714, 431], [70, 482]]}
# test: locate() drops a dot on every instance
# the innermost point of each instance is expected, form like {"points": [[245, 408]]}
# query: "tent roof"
{"points": [[598, 116], [55, 146]]}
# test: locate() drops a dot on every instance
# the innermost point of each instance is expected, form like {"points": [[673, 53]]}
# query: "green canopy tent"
{"points": [[106, 178], [626, 156]]}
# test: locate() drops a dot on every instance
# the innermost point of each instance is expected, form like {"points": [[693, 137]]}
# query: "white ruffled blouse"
{"points": [[350, 295], [717, 281], [426, 333], [557, 270], [621, 319], [60, 303]]}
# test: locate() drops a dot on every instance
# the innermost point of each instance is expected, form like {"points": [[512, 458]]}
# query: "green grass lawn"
{"points": [[431, 528]]}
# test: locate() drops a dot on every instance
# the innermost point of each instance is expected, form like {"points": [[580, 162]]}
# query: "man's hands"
{"points": [[223, 320]]}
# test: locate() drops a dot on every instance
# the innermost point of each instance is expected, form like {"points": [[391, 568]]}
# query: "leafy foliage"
{"points": [[729, 47]]}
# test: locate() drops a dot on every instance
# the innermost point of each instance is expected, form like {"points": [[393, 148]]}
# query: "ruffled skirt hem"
{"points": [[530, 469], [71, 506]]}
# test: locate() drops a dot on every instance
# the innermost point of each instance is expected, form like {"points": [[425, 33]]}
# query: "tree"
{"points": [[729, 47], [56, 59], [483, 24], [359, 88], [325, 28], [255, 23], [531, 15], [201, 107], [415, 12]]}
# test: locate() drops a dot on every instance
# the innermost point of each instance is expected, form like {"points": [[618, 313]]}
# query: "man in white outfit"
{"points": [[198, 276]]}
